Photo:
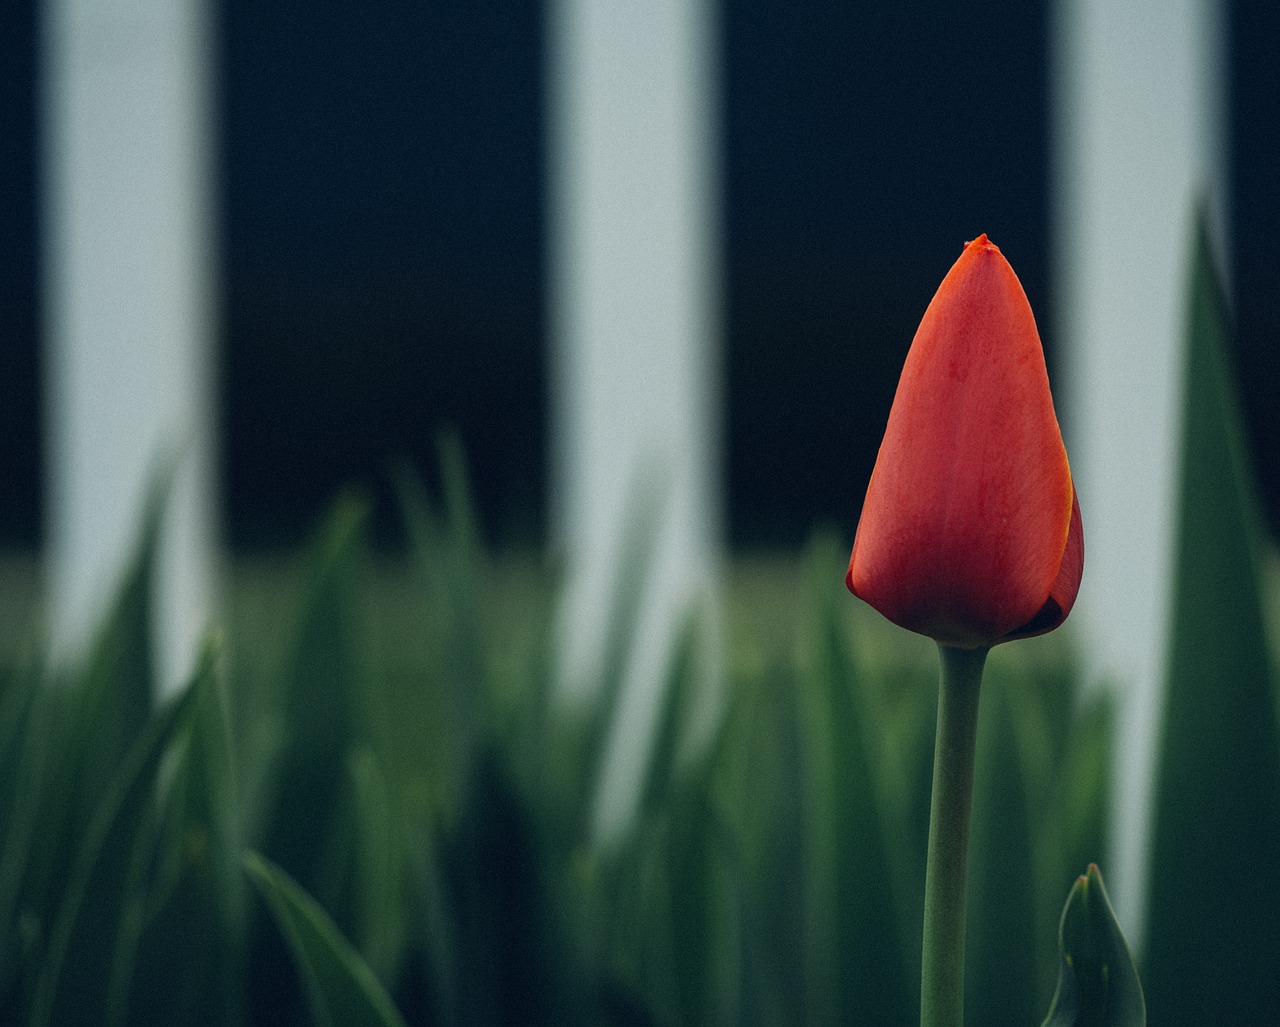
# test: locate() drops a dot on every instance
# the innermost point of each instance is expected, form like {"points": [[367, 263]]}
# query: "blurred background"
{"points": [[380, 224]]}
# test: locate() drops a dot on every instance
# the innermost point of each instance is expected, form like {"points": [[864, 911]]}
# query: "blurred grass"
{"points": [[765, 603], [776, 879]]}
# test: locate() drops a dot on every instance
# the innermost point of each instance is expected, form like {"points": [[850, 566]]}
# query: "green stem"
{"points": [[942, 980]]}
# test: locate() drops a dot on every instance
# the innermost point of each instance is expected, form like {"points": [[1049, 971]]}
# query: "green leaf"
{"points": [[438, 943], [1212, 932], [636, 559], [448, 565], [1098, 984], [759, 767], [860, 968], [192, 934], [91, 932], [663, 762], [97, 714], [506, 930], [381, 913], [1000, 945], [1082, 787], [1040, 797], [24, 741], [342, 990], [324, 673], [319, 699], [116, 691], [699, 918]]}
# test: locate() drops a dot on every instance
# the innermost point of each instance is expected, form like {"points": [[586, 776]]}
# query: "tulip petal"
{"points": [[968, 513], [1065, 587]]}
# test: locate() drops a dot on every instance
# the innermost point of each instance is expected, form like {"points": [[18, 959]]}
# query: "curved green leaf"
{"points": [[342, 990], [1098, 983], [91, 932], [190, 933]]}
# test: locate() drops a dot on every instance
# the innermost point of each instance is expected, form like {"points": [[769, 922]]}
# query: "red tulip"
{"points": [[970, 532]]}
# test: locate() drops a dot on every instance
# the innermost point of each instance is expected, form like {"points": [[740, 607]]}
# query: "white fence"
{"points": [[128, 306]]}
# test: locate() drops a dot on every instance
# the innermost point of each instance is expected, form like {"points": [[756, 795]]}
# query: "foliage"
{"points": [[1098, 983], [418, 797], [1215, 880], [341, 987]]}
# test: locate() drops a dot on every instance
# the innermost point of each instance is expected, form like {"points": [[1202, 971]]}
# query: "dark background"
{"points": [[382, 249]]}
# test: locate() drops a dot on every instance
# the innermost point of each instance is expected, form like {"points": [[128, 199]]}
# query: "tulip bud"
{"points": [[970, 532]]}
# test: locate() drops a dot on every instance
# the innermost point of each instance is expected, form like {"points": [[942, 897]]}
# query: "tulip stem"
{"points": [[942, 979]]}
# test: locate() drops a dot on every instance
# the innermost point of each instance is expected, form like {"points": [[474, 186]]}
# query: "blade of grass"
{"points": [[442, 551], [639, 543], [98, 712], [24, 742], [1212, 933], [437, 933], [379, 895], [677, 693], [860, 972], [762, 768], [694, 842], [80, 962], [342, 990], [319, 690], [317, 695], [192, 931], [1001, 944], [510, 957]]}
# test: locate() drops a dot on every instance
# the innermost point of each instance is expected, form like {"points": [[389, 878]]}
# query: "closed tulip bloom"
{"points": [[970, 532]]}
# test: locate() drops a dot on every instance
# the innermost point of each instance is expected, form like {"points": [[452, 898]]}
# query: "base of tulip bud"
{"points": [[942, 964]]}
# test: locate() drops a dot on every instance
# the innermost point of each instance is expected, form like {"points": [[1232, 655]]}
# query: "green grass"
{"points": [[369, 804], [775, 880]]}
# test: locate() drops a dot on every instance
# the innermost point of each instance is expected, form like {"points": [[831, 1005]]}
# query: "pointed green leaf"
{"points": [[117, 688], [448, 568], [342, 990], [861, 970], [1212, 933], [1098, 984], [318, 699], [321, 684], [663, 762], [80, 967], [192, 933], [101, 709], [619, 636]]}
